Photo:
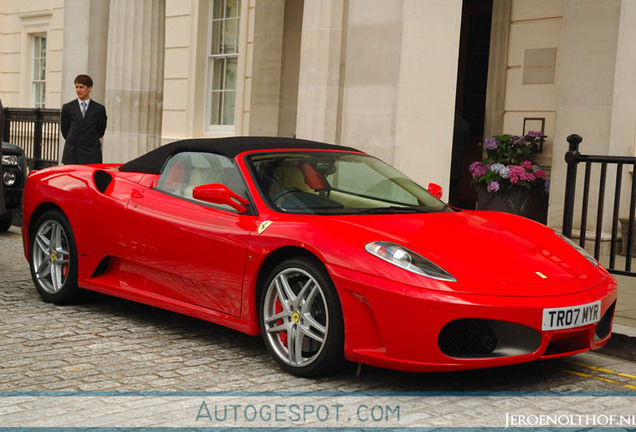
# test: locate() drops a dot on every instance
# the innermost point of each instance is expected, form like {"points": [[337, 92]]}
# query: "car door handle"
{"points": [[136, 194]]}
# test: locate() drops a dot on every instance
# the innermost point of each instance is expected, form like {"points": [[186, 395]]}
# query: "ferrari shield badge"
{"points": [[263, 226]]}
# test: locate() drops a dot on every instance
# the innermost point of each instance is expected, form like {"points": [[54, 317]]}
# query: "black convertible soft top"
{"points": [[153, 161]]}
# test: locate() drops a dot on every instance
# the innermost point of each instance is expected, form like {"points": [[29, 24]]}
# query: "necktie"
{"points": [[83, 104]]}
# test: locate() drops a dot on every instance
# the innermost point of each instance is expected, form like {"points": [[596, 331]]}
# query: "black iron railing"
{"points": [[36, 131], [600, 166]]}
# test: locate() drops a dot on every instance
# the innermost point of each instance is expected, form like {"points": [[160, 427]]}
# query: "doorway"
{"points": [[470, 102]]}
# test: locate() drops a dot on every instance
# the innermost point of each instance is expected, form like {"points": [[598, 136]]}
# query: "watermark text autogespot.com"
{"points": [[297, 413], [570, 420]]}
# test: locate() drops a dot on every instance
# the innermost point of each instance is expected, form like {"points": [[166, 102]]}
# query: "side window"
{"points": [[184, 171]]}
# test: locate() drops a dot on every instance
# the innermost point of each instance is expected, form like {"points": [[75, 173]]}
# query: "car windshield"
{"points": [[314, 182]]}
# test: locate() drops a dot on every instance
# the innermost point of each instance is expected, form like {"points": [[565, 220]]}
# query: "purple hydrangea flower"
{"points": [[497, 167], [500, 169], [535, 134], [491, 144], [478, 169], [515, 173], [493, 186], [505, 173], [528, 176], [473, 166]]}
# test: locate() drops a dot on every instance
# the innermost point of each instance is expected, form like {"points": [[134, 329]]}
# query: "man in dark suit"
{"points": [[83, 125]]}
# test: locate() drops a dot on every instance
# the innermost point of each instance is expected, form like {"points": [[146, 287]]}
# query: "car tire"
{"points": [[53, 259], [5, 221], [301, 318]]}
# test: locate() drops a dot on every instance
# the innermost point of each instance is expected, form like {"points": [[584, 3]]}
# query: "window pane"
{"points": [[42, 69], [217, 9], [36, 68], [228, 107], [216, 44], [34, 89], [216, 108], [230, 74], [38, 95], [230, 34], [231, 8], [217, 73]]}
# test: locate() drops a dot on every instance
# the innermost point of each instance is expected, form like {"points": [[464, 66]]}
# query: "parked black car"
{"points": [[13, 176]]}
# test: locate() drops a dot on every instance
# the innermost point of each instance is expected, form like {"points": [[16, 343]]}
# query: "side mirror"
{"points": [[435, 190], [217, 193]]}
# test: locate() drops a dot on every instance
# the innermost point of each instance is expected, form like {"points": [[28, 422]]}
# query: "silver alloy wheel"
{"points": [[296, 317], [51, 256]]}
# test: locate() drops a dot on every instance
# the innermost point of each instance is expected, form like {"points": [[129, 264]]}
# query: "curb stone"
{"points": [[620, 345]]}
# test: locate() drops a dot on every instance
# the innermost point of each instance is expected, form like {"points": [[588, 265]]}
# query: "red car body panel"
{"points": [[207, 263]]}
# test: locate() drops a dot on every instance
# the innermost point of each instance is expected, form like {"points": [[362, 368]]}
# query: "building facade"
{"points": [[385, 76]]}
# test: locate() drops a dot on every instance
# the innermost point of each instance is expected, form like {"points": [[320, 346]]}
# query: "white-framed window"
{"points": [[223, 52], [38, 76]]}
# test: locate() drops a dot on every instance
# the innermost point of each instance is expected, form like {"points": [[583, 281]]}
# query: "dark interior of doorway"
{"points": [[470, 103]]}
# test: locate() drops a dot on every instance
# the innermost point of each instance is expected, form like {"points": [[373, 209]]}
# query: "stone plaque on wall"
{"points": [[539, 66]]}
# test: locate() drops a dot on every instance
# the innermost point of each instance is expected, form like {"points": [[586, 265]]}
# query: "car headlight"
{"points": [[408, 260], [9, 178], [9, 160], [582, 251]]}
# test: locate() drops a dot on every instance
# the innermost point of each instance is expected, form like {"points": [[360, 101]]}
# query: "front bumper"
{"points": [[13, 194], [392, 325], [12, 198]]}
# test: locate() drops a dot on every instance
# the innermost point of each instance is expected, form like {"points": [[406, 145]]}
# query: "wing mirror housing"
{"points": [[435, 190], [217, 193]]}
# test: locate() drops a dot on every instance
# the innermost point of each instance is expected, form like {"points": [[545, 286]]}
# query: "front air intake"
{"points": [[604, 326], [482, 338], [102, 179]]}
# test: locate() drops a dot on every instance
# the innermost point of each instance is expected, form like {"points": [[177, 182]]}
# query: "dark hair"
{"points": [[84, 79]]}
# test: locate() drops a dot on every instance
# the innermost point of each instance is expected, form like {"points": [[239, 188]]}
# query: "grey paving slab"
{"points": [[111, 345]]}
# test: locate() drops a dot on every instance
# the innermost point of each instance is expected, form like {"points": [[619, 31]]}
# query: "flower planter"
{"points": [[529, 203]]}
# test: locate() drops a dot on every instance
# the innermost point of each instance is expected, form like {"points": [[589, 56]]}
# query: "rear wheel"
{"points": [[301, 318], [53, 259]]}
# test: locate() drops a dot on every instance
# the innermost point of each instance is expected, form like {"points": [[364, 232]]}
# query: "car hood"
{"points": [[487, 252]]}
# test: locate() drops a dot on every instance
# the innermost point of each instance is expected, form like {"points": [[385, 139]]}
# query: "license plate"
{"points": [[572, 316]]}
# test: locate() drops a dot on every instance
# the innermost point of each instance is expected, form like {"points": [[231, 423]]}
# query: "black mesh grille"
{"points": [[604, 326], [467, 338]]}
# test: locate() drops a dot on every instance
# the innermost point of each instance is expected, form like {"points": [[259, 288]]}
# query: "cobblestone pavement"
{"points": [[111, 345]]}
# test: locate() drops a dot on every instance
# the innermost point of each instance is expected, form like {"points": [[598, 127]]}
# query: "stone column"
{"points": [[134, 78], [623, 123], [320, 86], [267, 62]]}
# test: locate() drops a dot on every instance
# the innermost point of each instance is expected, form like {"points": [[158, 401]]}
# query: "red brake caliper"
{"points": [[283, 334], [65, 267]]}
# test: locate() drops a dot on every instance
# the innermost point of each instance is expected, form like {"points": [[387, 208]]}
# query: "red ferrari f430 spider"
{"points": [[329, 253]]}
